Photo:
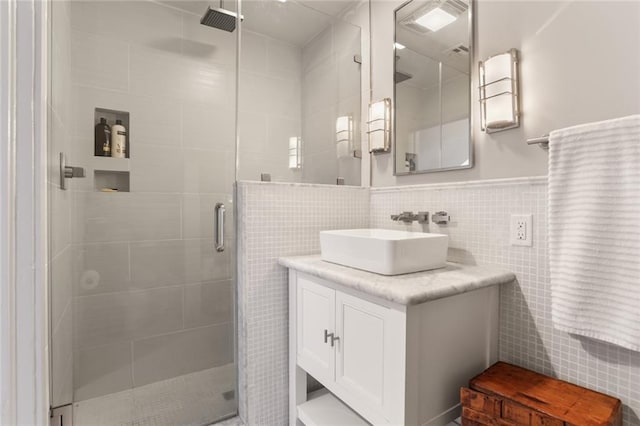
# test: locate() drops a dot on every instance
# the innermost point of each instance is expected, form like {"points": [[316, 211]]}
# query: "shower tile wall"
{"points": [[288, 91], [479, 234], [60, 249], [152, 297], [269, 106], [279, 219], [330, 89]]}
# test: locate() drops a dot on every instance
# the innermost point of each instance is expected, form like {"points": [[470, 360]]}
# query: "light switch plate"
{"points": [[521, 230]]}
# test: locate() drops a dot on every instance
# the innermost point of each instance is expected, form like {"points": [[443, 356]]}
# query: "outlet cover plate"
{"points": [[521, 230]]}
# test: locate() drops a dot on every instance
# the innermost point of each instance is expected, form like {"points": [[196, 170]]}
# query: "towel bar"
{"points": [[542, 141]]}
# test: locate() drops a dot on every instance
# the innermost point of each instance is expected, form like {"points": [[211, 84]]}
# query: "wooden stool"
{"points": [[508, 395]]}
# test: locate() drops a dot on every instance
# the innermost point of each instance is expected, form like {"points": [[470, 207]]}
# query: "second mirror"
{"points": [[432, 77]]}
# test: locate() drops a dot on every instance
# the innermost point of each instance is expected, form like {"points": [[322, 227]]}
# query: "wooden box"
{"points": [[508, 395]]}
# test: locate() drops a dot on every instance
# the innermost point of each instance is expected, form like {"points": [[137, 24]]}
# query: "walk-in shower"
{"points": [[143, 304]]}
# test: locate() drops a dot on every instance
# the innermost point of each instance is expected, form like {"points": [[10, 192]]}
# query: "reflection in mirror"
{"points": [[300, 94], [432, 86]]}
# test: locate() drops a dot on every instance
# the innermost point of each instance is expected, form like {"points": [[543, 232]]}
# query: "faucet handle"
{"points": [[441, 218]]}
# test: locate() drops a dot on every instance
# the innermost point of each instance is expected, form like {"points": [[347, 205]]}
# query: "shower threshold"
{"points": [[194, 399]]}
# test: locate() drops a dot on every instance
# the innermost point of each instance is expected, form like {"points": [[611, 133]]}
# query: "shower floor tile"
{"points": [[194, 399]]}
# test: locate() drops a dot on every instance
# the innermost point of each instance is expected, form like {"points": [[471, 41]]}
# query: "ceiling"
{"points": [[295, 21], [424, 71]]}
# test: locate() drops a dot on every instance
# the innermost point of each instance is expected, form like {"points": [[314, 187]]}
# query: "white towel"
{"points": [[594, 230]]}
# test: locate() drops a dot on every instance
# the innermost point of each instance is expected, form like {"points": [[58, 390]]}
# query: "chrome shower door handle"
{"points": [[220, 213]]}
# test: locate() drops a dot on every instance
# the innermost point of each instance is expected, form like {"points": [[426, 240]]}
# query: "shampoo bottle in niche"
{"points": [[102, 139], [118, 140]]}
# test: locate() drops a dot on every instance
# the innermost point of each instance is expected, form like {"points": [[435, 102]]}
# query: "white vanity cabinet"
{"points": [[391, 363], [352, 346]]}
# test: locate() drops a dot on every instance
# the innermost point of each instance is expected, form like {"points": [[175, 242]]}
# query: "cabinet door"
{"points": [[315, 317], [370, 356]]}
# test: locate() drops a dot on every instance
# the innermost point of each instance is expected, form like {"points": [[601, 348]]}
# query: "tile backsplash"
{"points": [[284, 219], [479, 233]]}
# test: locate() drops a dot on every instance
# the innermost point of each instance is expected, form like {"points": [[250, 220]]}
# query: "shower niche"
{"points": [[111, 174]]}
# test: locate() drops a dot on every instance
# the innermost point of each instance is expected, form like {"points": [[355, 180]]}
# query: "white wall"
{"points": [[580, 62]]}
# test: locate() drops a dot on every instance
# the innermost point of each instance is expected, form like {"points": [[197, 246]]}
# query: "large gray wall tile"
{"points": [[99, 61], [156, 168], [158, 263], [184, 352], [102, 370], [138, 22], [209, 128], [207, 171], [100, 268], [204, 263], [115, 317], [208, 303], [126, 217]]}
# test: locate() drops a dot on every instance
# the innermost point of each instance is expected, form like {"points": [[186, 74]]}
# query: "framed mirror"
{"points": [[432, 76]]}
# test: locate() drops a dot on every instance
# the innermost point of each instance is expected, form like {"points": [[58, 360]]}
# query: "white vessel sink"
{"points": [[384, 251]]}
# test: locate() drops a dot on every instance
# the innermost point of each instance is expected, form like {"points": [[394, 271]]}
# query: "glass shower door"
{"points": [[142, 296]]}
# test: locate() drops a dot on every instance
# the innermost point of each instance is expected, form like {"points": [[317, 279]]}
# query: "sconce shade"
{"points": [[380, 126], [344, 136], [499, 92]]}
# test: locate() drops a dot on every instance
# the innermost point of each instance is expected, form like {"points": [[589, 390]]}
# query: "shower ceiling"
{"points": [[294, 21]]}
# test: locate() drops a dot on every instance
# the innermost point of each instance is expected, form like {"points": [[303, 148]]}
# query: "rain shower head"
{"points": [[220, 18]]}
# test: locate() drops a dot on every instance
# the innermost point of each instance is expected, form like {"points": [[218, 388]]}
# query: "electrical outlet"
{"points": [[521, 231]]}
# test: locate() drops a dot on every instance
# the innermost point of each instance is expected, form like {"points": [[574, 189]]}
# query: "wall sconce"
{"points": [[295, 152], [380, 126], [344, 136], [499, 92]]}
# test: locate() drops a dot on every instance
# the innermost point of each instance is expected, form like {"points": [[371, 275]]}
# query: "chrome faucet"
{"points": [[408, 217], [441, 218]]}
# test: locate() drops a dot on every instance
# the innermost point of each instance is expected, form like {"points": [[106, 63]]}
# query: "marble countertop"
{"points": [[406, 289]]}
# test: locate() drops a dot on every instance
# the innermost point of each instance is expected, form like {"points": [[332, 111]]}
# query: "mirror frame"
{"points": [[471, 31]]}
